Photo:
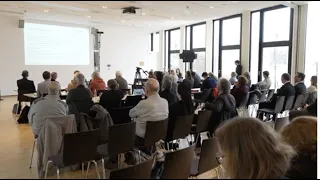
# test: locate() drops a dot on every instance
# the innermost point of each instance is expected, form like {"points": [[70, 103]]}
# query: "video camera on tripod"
{"points": [[188, 56], [139, 82]]}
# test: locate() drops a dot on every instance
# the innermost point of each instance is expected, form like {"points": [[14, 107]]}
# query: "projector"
{"points": [[129, 10]]}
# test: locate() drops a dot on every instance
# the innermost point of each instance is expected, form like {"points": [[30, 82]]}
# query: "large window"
{"points": [[196, 41], [271, 40], [173, 48], [226, 45]]}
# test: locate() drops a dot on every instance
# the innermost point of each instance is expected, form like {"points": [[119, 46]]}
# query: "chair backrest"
{"points": [[203, 121], [245, 100], [80, 147], [263, 96], [208, 153], [121, 138], [281, 123], [182, 127], [121, 115], [289, 103], [133, 100], [178, 163], [139, 171], [299, 101], [270, 94], [155, 130], [253, 98], [279, 104]]}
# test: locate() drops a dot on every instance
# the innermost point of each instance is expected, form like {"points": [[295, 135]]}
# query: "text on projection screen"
{"points": [[55, 45]]}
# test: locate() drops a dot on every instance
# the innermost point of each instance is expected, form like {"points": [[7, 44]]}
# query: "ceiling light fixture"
{"points": [[88, 16], [172, 18], [104, 7], [123, 21], [211, 7], [45, 10], [149, 24], [143, 13]]}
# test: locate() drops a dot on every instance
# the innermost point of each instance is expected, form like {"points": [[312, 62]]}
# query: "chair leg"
{"points": [[96, 165], [34, 143], [47, 166], [103, 169], [139, 156], [58, 173], [82, 169], [88, 167]]}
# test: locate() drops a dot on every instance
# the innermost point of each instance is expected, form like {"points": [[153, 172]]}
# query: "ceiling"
{"points": [[153, 15]]}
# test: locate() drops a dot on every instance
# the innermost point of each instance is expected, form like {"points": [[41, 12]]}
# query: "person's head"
{"points": [[172, 72], [299, 77], [250, 149], [205, 75], [112, 84], [211, 75], [151, 87], [53, 88], [159, 75], [81, 80], [75, 73], [246, 74], [95, 75], [167, 82], [177, 70], [265, 74], [242, 81], [224, 86], [285, 78], [25, 74], [46, 75], [188, 75], [118, 74], [314, 81], [233, 74], [193, 74], [237, 62], [54, 75]]}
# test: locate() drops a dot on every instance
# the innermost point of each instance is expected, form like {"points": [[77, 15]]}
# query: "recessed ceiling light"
{"points": [[172, 18], [104, 7], [149, 24], [143, 13], [123, 21], [211, 7], [45, 10], [88, 16]]}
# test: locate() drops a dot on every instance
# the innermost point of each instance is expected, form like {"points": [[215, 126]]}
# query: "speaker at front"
{"points": [[21, 23]]}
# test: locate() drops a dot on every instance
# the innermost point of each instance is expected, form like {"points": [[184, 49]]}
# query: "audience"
{"points": [[247, 75], [310, 110], [250, 149], [96, 83], [24, 86], [301, 134], [43, 86], [266, 82], [123, 84], [167, 90], [240, 90], [54, 76], [233, 78], [174, 75], [183, 107], [189, 79], [223, 107], [313, 86], [238, 68], [73, 83], [208, 82], [212, 76], [179, 74], [154, 108], [197, 80], [312, 91], [49, 106], [79, 99], [151, 74], [300, 87], [111, 98], [159, 76]]}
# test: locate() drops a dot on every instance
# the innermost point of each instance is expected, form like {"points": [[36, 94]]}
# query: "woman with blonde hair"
{"points": [[250, 149], [301, 134]]}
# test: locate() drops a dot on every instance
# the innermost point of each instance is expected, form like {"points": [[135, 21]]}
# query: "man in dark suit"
{"points": [[24, 86], [300, 87], [238, 68], [111, 98]]}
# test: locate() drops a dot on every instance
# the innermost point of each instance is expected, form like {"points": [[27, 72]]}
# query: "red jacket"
{"points": [[97, 84]]}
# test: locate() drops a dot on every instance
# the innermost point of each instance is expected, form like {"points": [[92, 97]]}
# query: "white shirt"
{"points": [[265, 82]]}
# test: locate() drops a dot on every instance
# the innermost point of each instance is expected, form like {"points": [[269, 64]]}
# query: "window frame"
{"points": [[169, 46], [152, 40]]}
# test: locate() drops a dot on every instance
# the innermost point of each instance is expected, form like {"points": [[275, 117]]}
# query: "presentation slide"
{"points": [[56, 45]]}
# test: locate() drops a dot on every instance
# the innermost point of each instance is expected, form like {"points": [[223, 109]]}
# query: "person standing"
{"points": [[238, 68]]}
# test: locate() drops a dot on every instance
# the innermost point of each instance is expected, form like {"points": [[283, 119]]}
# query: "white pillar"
{"points": [[302, 32], [294, 42], [161, 58], [245, 40], [209, 34]]}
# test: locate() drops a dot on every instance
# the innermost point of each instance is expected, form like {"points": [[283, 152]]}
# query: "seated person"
{"points": [[266, 82], [54, 76], [300, 87], [189, 79], [111, 98], [247, 75], [214, 77], [73, 83], [174, 75], [208, 82], [24, 86], [223, 107], [166, 92], [43, 86], [179, 74], [123, 84], [312, 91], [233, 78], [301, 134], [79, 99], [183, 107], [49, 106], [197, 79], [154, 108], [240, 90], [96, 83], [310, 110]]}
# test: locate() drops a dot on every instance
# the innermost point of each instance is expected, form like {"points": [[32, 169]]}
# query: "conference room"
{"points": [[150, 89]]}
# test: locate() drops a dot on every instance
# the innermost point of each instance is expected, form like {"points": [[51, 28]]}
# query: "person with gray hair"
{"points": [[79, 99], [154, 108], [168, 87], [223, 107], [49, 106], [123, 84]]}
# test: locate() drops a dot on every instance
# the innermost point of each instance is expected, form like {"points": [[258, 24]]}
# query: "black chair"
{"points": [[177, 164], [288, 103], [207, 160], [182, 127], [121, 115], [299, 102], [203, 120], [281, 123], [78, 148], [121, 140], [270, 94], [132, 100], [277, 108], [252, 101], [139, 171]]}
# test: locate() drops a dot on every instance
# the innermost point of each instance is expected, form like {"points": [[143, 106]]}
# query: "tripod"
{"points": [[137, 78]]}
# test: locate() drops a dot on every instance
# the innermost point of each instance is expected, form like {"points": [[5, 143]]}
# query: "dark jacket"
{"points": [[197, 81], [223, 108], [240, 93], [190, 81], [79, 100], [169, 96], [300, 88], [123, 84], [25, 86], [286, 90], [208, 83], [239, 70], [111, 99]]}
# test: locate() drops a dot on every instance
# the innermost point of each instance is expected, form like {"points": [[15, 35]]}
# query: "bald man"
{"points": [[154, 108]]}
